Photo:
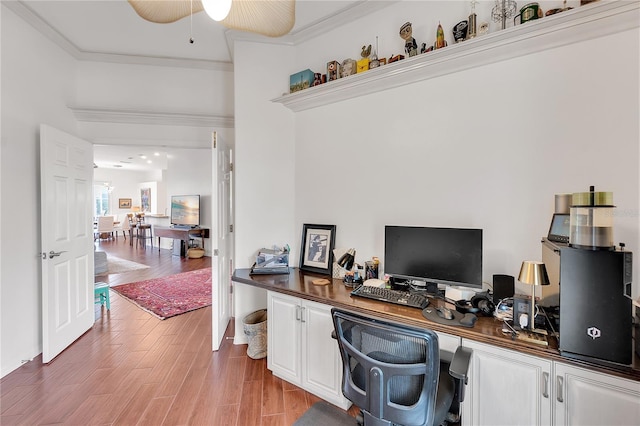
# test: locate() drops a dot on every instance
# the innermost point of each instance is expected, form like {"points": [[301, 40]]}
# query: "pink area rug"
{"points": [[170, 296]]}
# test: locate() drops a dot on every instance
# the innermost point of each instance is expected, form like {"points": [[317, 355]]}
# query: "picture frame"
{"points": [[316, 248], [145, 199], [124, 203]]}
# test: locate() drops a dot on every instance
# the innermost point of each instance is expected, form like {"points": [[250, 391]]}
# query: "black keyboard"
{"points": [[398, 297]]}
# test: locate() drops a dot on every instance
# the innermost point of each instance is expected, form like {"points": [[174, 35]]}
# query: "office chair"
{"points": [[396, 373]]}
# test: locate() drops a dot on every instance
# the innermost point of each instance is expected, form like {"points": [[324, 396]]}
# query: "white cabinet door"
{"points": [[283, 335], [300, 348], [322, 365], [584, 397], [506, 388]]}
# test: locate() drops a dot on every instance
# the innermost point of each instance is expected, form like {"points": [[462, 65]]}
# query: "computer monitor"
{"points": [[448, 256]]}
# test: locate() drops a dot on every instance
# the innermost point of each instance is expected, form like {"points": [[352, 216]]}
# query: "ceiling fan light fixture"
{"points": [[217, 9]]}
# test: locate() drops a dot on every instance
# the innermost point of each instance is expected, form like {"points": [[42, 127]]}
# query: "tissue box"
{"points": [[301, 80]]}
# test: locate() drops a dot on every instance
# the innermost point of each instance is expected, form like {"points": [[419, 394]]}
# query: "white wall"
{"points": [[487, 147], [264, 154], [126, 184], [37, 84], [190, 172], [471, 150]]}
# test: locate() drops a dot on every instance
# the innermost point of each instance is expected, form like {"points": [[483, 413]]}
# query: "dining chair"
{"points": [[105, 227], [123, 226]]}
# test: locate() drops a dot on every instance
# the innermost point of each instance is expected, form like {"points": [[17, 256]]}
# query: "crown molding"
{"points": [[128, 116], [32, 18], [322, 26], [339, 19], [584, 23]]}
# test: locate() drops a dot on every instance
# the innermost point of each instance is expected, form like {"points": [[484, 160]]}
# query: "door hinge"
{"points": [[230, 289], [231, 228], [230, 167], [214, 139], [215, 252]]}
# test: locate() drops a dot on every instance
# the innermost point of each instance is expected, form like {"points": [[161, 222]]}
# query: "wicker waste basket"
{"points": [[255, 327]]}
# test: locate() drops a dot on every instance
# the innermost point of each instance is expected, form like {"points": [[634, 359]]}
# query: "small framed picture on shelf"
{"points": [[124, 203], [316, 248]]}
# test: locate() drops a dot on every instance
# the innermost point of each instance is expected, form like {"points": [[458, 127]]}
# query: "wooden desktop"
{"points": [[486, 330]]}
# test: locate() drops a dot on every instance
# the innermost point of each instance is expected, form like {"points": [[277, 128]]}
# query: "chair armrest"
{"points": [[459, 367]]}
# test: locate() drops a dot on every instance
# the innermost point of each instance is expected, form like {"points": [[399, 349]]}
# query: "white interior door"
{"points": [[66, 174], [221, 188]]}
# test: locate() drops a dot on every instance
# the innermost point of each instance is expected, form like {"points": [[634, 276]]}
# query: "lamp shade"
{"points": [[533, 273]]}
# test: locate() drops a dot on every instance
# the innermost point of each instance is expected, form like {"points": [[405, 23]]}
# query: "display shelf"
{"points": [[595, 20]]}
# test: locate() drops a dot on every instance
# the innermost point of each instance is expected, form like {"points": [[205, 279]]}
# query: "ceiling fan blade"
{"points": [[164, 11], [272, 18]]}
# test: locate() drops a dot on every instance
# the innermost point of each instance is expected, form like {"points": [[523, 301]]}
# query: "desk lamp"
{"points": [[535, 274], [347, 260]]}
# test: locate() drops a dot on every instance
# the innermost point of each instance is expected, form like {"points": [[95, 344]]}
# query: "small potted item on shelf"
{"points": [[301, 80], [410, 45]]}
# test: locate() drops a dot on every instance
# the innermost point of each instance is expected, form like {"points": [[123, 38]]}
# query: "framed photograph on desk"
{"points": [[316, 248]]}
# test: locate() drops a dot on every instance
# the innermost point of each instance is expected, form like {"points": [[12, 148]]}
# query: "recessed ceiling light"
{"points": [[149, 161], [143, 156], [125, 161], [157, 154]]}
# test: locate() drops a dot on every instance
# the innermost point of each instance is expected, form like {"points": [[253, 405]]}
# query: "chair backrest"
{"points": [[390, 371], [105, 223], [125, 224]]}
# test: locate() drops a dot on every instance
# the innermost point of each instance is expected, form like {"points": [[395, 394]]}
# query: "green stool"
{"points": [[101, 292]]}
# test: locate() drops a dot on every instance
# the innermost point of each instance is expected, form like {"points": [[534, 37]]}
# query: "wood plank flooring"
{"points": [[133, 369]]}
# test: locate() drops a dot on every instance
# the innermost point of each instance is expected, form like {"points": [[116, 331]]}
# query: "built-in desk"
{"points": [[486, 330], [184, 234]]}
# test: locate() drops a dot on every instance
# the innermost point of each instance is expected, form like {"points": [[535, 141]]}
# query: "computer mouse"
{"points": [[444, 313]]}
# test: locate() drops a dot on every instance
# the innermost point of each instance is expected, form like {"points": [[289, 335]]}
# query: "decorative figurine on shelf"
{"points": [[440, 41], [460, 31], [363, 64], [333, 70], [317, 81], [471, 33], [410, 45], [348, 67], [374, 61]]}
